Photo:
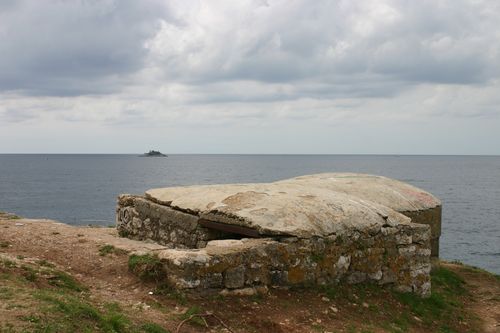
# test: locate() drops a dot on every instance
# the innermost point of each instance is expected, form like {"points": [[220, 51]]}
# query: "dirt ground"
{"points": [[76, 251]]}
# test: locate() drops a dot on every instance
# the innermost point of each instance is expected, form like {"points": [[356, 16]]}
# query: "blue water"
{"points": [[82, 189]]}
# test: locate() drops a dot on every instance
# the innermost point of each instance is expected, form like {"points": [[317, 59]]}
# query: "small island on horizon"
{"points": [[153, 153]]}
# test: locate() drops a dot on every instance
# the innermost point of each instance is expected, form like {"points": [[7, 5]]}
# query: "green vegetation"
{"points": [[63, 280], [109, 249], [8, 216], [36, 297], [123, 233], [190, 315], [153, 328], [30, 273], [317, 257], [45, 263], [106, 249], [172, 293], [443, 309], [147, 267], [57, 303], [7, 263], [354, 293]]}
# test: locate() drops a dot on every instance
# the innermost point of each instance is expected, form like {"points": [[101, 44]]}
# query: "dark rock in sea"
{"points": [[153, 153]]}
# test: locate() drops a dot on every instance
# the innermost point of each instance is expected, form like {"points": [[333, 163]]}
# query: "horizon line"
{"points": [[266, 154]]}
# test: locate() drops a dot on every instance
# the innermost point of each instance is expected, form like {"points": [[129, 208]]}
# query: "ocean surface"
{"points": [[82, 189]]}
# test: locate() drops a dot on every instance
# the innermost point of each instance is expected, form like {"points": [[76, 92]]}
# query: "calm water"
{"points": [[81, 189]]}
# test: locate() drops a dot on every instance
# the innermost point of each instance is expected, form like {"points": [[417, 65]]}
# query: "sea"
{"points": [[82, 189]]}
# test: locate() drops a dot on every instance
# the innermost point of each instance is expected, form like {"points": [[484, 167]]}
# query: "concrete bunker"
{"points": [[308, 230]]}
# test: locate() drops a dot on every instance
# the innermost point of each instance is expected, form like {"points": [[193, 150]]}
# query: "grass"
{"points": [[75, 313], [153, 328], [58, 303], [443, 311], [45, 263], [110, 249], [8, 216], [106, 249], [30, 273], [147, 267], [189, 314], [63, 280], [443, 308], [353, 293], [6, 293], [7, 263], [317, 257], [172, 293]]}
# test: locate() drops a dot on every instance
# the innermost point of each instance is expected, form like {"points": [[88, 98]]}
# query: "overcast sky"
{"points": [[284, 76]]}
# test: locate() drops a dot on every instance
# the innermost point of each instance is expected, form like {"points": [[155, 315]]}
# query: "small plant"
{"points": [[6, 293], [66, 281], [106, 249], [8, 216], [30, 274], [123, 233], [31, 318], [171, 293], [45, 263], [109, 249], [147, 267], [4, 244], [191, 315], [8, 263], [317, 257], [153, 328]]}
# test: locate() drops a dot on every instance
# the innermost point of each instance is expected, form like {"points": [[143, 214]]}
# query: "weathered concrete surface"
{"points": [[360, 227], [389, 192], [420, 206], [278, 208]]}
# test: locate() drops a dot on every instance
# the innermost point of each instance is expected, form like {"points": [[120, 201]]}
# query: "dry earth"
{"points": [[81, 252]]}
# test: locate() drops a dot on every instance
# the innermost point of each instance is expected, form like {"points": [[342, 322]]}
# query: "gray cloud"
{"points": [[452, 42], [169, 70], [327, 48], [73, 47]]}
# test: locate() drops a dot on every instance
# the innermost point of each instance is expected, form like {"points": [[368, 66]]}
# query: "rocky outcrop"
{"points": [[308, 230]]}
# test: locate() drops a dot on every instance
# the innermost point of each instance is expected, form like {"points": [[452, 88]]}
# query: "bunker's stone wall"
{"points": [[311, 230], [141, 219], [431, 217], [398, 256]]}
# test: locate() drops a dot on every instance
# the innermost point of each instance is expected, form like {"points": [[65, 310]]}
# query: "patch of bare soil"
{"points": [[98, 259]]}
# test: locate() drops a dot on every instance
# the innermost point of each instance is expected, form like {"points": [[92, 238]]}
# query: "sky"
{"points": [[270, 77]]}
